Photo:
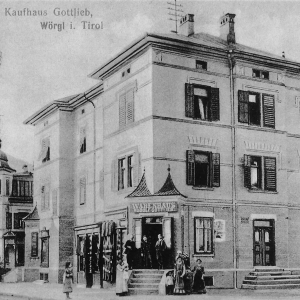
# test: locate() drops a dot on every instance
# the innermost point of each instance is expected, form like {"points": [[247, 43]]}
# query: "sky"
{"points": [[41, 65]]}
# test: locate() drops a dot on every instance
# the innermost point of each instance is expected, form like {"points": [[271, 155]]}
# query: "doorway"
{"points": [[152, 227], [264, 243]]}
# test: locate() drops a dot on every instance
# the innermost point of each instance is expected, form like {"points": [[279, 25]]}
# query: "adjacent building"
{"points": [[190, 135], [16, 200]]}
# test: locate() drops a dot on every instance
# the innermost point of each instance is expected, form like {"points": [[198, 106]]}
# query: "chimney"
{"points": [[186, 26], [25, 169], [227, 28]]}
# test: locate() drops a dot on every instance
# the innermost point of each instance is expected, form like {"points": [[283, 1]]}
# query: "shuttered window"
{"points": [[126, 108], [82, 141], [202, 102], [82, 190], [260, 173], [203, 169], [45, 150], [250, 110], [8, 220]]}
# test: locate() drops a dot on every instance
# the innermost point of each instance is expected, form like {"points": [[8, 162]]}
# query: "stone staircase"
{"points": [[145, 282], [272, 278]]}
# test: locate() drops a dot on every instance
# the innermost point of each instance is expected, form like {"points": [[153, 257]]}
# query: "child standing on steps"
{"points": [[68, 280]]}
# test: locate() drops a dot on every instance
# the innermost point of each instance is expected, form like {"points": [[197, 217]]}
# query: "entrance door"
{"points": [[264, 243], [152, 227]]}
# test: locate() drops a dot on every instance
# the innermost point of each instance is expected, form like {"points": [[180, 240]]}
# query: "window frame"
{"points": [[262, 74], [127, 174], [82, 190], [213, 102], [7, 186], [201, 63], [211, 220], [82, 140], [263, 174], [214, 171]]}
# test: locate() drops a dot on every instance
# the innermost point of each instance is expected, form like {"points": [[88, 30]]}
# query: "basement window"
{"points": [[260, 74], [201, 65]]}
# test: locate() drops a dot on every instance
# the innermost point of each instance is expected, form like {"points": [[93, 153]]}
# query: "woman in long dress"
{"points": [[119, 278], [199, 284], [179, 271], [68, 280]]}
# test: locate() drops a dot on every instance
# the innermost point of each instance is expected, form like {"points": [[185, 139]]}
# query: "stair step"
{"points": [[143, 285], [272, 282], [143, 291], [258, 278], [148, 271], [270, 273], [145, 280], [270, 269], [275, 286], [143, 275]]}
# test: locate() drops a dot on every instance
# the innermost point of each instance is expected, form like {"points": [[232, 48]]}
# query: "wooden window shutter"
{"points": [[114, 175], [243, 97], [82, 190], [122, 110], [270, 173], [43, 197], [16, 221], [136, 168], [8, 220], [47, 197], [247, 171], [54, 202], [215, 169], [130, 106], [43, 150], [190, 167], [214, 105], [34, 244], [189, 100], [269, 110], [15, 188]]}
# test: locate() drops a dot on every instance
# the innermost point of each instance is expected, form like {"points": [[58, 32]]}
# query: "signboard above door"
{"points": [[152, 207]]}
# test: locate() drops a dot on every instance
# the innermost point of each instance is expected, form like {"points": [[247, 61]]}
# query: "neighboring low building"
{"points": [[16, 202]]}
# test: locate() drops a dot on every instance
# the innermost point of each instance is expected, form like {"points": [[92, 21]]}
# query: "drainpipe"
{"points": [[94, 161], [233, 158]]}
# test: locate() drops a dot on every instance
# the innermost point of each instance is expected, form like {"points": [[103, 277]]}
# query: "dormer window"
{"points": [[260, 74], [125, 72]]}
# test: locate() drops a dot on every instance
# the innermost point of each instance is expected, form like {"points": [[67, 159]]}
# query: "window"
{"points": [[203, 235], [82, 140], [130, 171], [256, 109], [45, 197], [260, 173], [80, 253], [121, 177], [125, 172], [45, 252], [18, 220], [126, 108], [7, 186], [202, 102], [125, 72], [82, 191], [45, 151], [201, 65], [21, 188], [34, 244], [203, 169], [8, 220], [260, 74]]}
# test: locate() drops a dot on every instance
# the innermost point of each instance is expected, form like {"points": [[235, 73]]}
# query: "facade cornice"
{"points": [[65, 104]]}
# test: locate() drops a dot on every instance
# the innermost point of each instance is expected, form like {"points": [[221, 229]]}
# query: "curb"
{"points": [[23, 296]]}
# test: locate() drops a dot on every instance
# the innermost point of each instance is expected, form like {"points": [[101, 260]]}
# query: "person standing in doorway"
{"points": [[160, 248], [68, 280], [129, 251], [146, 253]]}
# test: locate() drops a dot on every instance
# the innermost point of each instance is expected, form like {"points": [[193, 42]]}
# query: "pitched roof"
{"points": [[169, 188], [34, 215], [141, 190]]}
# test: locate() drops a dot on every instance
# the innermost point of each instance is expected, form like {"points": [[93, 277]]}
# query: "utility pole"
{"points": [[175, 12]]}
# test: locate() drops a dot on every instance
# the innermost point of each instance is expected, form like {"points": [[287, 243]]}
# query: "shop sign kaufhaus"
{"points": [[150, 207]]}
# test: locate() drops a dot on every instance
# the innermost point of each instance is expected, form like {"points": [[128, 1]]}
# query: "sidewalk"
{"points": [[50, 291]]}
